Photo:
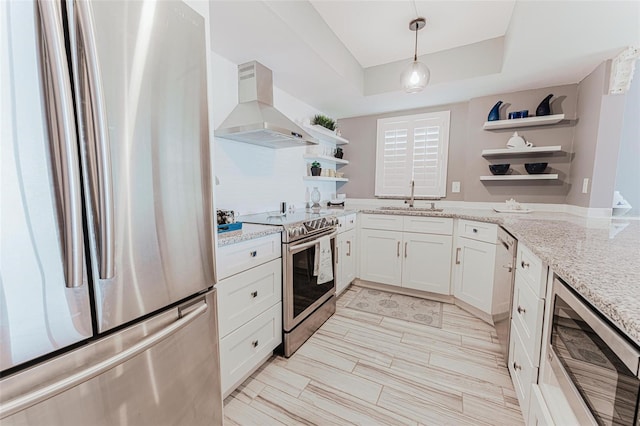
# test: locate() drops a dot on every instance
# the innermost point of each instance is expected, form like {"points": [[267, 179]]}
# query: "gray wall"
{"points": [[628, 169], [361, 151], [541, 191], [467, 140]]}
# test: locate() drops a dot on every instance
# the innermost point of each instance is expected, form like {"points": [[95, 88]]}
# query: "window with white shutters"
{"points": [[412, 148]]}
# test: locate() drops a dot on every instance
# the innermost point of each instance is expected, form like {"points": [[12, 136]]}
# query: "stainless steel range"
{"points": [[306, 303]]}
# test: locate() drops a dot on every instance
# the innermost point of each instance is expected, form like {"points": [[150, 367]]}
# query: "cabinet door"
{"points": [[474, 273], [539, 414], [427, 262], [380, 259], [348, 257], [340, 255]]}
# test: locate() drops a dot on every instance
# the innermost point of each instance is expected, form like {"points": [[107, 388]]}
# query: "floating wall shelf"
{"points": [[324, 134], [521, 151], [544, 176], [544, 120], [325, 179], [325, 158]]}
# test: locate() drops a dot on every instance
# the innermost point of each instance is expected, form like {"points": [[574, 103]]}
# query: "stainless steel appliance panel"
{"points": [[44, 301], [141, 68], [163, 371], [504, 278], [301, 293], [597, 369]]}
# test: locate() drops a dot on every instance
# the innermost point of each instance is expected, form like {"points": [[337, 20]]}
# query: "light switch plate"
{"points": [[585, 185], [455, 186]]}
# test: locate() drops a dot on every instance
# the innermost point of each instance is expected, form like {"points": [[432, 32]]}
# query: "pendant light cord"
{"points": [[415, 53]]}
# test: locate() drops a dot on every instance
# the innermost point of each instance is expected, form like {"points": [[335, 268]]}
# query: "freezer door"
{"points": [[44, 302], [163, 371], [141, 72]]}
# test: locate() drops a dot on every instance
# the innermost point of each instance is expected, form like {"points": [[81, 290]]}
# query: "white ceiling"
{"points": [[377, 32], [343, 57]]}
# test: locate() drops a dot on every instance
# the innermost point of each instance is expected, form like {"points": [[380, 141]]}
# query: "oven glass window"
{"points": [[605, 383], [306, 289]]}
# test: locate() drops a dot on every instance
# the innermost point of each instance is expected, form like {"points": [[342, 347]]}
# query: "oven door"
{"points": [[595, 366], [302, 294]]}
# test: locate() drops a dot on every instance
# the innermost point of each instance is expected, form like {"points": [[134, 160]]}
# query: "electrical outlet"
{"points": [[585, 185], [455, 186]]}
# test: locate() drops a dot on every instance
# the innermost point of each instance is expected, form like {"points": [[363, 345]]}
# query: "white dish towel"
{"points": [[323, 261]]}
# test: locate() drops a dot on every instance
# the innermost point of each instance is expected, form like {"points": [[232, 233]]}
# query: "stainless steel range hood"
{"points": [[254, 120]]}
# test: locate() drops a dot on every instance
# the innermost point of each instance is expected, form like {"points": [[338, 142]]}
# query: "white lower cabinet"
{"points": [[523, 372], [380, 259], [249, 309], [539, 414], [346, 259], [244, 349], [427, 262], [474, 273], [419, 260]]}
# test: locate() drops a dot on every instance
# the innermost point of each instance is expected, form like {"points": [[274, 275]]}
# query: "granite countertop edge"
{"points": [[248, 232]]}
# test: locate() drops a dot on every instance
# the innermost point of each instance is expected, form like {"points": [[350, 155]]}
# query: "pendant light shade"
{"points": [[417, 75]]}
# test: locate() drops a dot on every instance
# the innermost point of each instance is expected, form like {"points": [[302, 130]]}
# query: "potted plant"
{"points": [[315, 169], [339, 153], [324, 121]]}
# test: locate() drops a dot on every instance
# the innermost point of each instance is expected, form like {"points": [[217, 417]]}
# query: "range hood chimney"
{"points": [[254, 120]]}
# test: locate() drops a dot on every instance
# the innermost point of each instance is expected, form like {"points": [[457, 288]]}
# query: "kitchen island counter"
{"points": [[598, 257]]}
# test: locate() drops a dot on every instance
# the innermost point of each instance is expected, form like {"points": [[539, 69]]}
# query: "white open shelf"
{"points": [[325, 179], [519, 151], [326, 158], [544, 120], [543, 176], [324, 134]]}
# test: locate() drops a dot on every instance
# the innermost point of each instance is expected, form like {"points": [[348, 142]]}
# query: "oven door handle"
{"points": [[302, 246]]}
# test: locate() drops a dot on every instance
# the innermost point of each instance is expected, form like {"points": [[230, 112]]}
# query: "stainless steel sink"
{"points": [[411, 209]]}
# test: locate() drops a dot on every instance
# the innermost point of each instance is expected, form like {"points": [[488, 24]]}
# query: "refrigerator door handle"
{"points": [[25, 401], [60, 120], [97, 137]]}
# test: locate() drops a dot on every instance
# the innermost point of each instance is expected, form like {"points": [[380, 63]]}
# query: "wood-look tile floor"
{"points": [[362, 368]]}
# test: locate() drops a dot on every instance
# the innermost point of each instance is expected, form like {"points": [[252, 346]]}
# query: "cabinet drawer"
{"points": [[347, 222], [531, 268], [381, 221], [242, 350], [523, 373], [480, 231], [428, 225], [527, 314], [248, 294], [239, 257]]}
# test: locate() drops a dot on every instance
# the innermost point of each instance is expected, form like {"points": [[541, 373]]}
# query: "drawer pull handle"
{"points": [[516, 366], [475, 231], [398, 250], [253, 253], [254, 343], [349, 244], [524, 264], [457, 256], [254, 294], [405, 249], [521, 310]]}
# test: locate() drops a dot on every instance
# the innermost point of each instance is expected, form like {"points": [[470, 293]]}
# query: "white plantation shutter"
{"points": [[414, 148]]}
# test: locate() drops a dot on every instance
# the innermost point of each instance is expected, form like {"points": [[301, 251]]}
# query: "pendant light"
{"points": [[416, 76]]}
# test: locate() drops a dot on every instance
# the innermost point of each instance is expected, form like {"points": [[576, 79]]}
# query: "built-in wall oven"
{"points": [[595, 366]]}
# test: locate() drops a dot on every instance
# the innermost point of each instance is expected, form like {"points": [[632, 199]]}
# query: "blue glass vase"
{"points": [[494, 114]]}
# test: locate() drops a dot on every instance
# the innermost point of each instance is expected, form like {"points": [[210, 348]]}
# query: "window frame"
{"points": [[385, 189]]}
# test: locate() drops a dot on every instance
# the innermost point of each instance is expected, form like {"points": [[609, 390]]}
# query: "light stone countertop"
{"points": [[599, 258], [249, 231]]}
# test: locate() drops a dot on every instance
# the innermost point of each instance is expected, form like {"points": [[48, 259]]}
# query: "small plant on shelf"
{"points": [[315, 169], [324, 121]]}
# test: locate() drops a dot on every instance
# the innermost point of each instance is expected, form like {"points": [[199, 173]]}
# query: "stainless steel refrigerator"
{"points": [[107, 306]]}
